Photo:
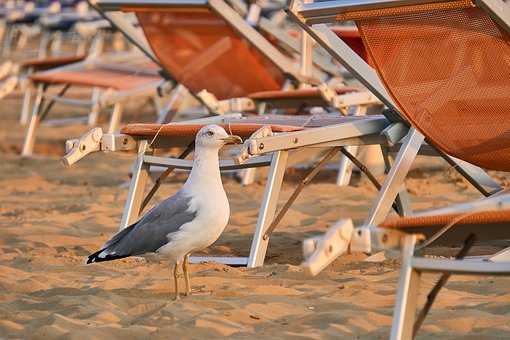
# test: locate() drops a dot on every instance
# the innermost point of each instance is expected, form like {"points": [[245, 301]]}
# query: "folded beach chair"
{"points": [[114, 79], [57, 29], [58, 44], [88, 33], [19, 25]]}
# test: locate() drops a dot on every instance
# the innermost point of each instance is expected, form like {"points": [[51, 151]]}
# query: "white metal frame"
{"points": [[365, 73], [322, 250], [406, 301], [369, 130]]}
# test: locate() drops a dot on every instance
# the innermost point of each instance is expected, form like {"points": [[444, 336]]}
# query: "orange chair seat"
{"points": [[486, 225], [97, 77], [190, 130], [242, 127], [51, 62], [304, 93]]}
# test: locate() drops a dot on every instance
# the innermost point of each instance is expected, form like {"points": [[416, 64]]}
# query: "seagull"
{"points": [[190, 220]]}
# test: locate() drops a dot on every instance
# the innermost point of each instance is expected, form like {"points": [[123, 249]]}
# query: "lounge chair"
{"points": [[86, 33], [271, 70], [113, 78], [459, 225], [15, 73], [146, 138], [451, 88]]}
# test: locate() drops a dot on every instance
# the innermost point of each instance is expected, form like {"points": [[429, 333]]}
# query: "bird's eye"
{"points": [[210, 133]]}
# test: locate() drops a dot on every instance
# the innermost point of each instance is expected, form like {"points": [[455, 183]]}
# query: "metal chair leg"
{"points": [[115, 118], [28, 145], [268, 208], [247, 176], [44, 44], [407, 294], [136, 188], [169, 111], [403, 201], [345, 167], [25, 108], [475, 175], [96, 107], [8, 40], [395, 178]]}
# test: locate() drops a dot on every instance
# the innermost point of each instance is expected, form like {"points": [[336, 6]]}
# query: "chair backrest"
{"points": [[203, 51], [447, 66]]}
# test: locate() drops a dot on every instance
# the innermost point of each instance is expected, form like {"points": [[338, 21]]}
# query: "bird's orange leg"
{"points": [[185, 270], [176, 281]]}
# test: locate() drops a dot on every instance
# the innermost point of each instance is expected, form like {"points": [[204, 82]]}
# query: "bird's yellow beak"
{"points": [[232, 139]]}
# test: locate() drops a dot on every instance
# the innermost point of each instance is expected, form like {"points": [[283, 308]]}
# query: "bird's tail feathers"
{"points": [[102, 255], [107, 255]]}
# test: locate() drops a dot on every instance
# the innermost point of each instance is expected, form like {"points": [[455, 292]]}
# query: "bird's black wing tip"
{"points": [[94, 257], [108, 257]]}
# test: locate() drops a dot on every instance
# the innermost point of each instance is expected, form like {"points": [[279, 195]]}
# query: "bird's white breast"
{"points": [[213, 211], [208, 201]]}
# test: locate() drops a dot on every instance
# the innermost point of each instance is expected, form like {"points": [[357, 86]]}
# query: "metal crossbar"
{"points": [[431, 297], [306, 179]]}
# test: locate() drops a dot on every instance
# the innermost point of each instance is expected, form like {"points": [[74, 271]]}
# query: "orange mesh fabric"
{"points": [[190, 130], [47, 63], [98, 77], [479, 218], [486, 225], [381, 12], [449, 72], [202, 51]]}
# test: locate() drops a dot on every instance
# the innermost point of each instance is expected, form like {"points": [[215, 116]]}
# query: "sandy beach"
{"points": [[52, 217]]}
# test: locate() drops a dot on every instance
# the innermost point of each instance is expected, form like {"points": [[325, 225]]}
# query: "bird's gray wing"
{"points": [[150, 232]]}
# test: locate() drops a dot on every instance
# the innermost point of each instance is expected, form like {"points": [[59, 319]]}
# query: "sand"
{"points": [[52, 217]]}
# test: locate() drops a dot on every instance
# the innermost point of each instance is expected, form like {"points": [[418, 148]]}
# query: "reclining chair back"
{"points": [[205, 44], [447, 66], [196, 44]]}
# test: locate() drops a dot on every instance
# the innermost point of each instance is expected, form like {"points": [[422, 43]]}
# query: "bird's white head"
{"points": [[214, 136]]}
